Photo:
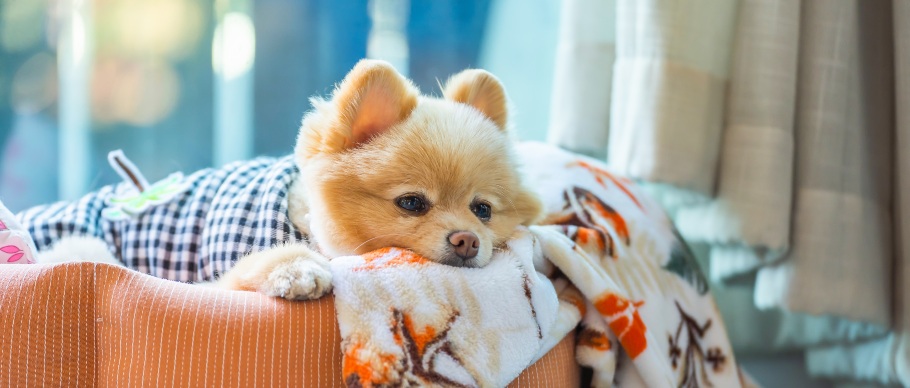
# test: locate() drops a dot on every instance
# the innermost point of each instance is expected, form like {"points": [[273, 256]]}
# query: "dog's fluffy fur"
{"points": [[375, 140], [78, 248]]}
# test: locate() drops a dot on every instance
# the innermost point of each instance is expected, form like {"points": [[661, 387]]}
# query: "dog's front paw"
{"points": [[299, 279]]}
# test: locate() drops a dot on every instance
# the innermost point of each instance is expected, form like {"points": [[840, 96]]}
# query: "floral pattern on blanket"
{"points": [[421, 351], [407, 321], [627, 260], [606, 262]]}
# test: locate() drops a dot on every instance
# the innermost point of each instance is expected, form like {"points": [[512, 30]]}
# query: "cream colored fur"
{"points": [[78, 248], [376, 139]]}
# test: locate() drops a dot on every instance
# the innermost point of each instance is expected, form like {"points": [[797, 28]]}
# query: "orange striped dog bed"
{"points": [[89, 324]]}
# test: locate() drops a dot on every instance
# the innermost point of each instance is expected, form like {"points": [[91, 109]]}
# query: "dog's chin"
{"points": [[455, 261]]}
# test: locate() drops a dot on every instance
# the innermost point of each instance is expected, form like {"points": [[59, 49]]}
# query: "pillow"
{"points": [[91, 324]]}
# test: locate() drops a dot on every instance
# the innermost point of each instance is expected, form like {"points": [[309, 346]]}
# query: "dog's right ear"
{"points": [[481, 90], [371, 99]]}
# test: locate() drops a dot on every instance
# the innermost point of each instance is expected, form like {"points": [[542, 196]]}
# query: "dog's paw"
{"points": [[300, 279]]}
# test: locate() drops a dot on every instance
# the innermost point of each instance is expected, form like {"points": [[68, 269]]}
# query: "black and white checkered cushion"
{"points": [[226, 213]]}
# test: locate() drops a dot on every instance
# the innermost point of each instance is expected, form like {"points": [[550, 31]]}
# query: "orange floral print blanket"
{"points": [[606, 262]]}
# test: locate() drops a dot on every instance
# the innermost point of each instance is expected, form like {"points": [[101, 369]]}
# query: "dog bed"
{"points": [[97, 325]]}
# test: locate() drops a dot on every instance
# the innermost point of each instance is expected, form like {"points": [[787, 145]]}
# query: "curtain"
{"points": [[887, 360], [775, 131], [585, 52]]}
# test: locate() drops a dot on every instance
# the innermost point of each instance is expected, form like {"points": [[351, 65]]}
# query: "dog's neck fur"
{"points": [[299, 210]]}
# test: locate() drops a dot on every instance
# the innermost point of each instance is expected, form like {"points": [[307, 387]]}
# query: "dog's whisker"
{"points": [[442, 89]]}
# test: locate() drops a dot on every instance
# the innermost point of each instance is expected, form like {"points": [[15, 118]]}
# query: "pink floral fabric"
{"points": [[16, 246]]}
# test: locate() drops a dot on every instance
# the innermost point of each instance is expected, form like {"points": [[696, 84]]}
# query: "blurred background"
{"points": [[187, 84], [773, 131]]}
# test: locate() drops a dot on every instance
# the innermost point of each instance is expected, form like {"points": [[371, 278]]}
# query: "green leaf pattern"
{"points": [[130, 201]]}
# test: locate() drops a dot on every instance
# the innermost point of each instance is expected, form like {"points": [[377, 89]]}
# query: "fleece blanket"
{"points": [[407, 321], [605, 261]]}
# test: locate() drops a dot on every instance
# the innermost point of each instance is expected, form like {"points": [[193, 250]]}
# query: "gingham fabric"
{"points": [[226, 213]]}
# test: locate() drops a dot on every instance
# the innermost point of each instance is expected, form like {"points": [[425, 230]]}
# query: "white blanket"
{"points": [[606, 253]]}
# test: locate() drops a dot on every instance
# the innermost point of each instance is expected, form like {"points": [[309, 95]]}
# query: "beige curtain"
{"points": [[886, 360], [748, 222], [776, 131], [671, 69], [580, 114]]}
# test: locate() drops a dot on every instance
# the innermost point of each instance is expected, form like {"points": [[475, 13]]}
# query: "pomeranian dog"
{"points": [[382, 166]]}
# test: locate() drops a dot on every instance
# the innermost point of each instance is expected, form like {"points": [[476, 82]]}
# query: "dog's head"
{"points": [[384, 166]]}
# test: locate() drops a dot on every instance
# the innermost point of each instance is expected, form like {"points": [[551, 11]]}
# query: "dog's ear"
{"points": [[372, 98], [483, 91]]}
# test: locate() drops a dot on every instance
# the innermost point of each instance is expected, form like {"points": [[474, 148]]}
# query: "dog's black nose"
{"points": [[464, 244]]}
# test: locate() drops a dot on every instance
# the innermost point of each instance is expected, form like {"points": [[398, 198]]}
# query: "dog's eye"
{"points": [[412, 203], [482, 210]]}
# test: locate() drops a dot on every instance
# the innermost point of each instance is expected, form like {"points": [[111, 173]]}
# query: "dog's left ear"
{"points": [[370, 101], [372, 98], [481, 90]]}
